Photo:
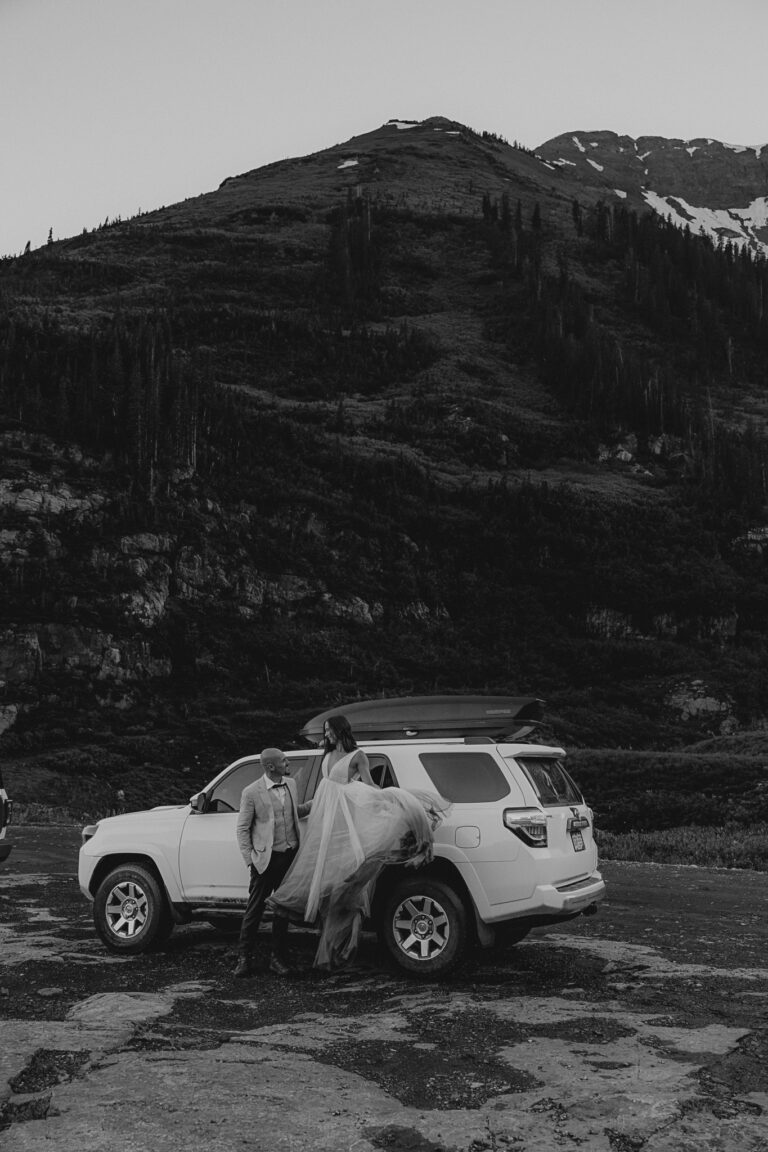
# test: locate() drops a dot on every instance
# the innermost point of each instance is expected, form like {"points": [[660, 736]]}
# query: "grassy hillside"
{"points": [[424, 423]]}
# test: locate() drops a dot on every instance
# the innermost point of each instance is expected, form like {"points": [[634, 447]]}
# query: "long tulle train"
{"points": [[352, 833]]}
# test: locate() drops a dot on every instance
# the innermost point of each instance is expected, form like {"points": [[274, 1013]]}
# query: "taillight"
{"points": [[529, 826]]}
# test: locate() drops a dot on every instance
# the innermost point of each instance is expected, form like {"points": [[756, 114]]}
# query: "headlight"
{"points": [[87, 832]]}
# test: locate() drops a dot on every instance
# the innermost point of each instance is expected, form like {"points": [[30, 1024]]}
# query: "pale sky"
{"points": [[108, 107]]}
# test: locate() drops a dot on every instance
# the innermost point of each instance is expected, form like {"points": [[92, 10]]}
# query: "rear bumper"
{"points": [[547, 900], [577, 897]]}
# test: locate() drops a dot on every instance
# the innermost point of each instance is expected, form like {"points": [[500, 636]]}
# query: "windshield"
{"points": [[552, 783]]}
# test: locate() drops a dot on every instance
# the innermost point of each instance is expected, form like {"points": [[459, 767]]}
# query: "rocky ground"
{"points": [[645, 1027]]}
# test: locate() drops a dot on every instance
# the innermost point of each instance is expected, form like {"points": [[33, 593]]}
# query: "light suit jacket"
{"points": [[256, 821]]}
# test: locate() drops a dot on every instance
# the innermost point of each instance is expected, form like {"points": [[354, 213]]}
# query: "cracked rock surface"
{"points": [[645, 1027]]}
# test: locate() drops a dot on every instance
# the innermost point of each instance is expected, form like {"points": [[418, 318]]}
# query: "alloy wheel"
{"points": [[127, 910], [421, 927]]}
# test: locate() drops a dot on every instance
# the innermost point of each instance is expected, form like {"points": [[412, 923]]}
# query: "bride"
{"points": [[354, 830]]}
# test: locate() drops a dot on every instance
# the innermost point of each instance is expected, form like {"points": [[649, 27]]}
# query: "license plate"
{"points": [[578, 841]]}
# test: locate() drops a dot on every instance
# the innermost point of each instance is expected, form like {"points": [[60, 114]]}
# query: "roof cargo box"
{"points": [[425, 717]]}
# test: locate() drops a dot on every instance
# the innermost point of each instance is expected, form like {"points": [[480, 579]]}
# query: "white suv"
{"points": [[515, 851]]}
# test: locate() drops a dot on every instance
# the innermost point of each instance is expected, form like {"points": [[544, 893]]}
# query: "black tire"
{"points": [[228, 925], [130, 910], [425, 928]]}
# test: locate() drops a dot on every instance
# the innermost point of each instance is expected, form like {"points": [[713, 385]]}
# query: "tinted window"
{"points": [[465, 777], [382, 772], [552, 783], [226, 795], [300, 770]]}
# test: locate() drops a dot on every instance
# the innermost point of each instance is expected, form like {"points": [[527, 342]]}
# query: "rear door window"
{"points": [[553, 785], [382, 772], [465, 777]]}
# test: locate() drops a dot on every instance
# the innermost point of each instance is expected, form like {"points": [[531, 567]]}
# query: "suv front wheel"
{"points": [[130, 910], [425, 928]]}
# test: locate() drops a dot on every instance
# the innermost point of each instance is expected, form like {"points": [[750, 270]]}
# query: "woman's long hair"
{"points": [[343, 730]]}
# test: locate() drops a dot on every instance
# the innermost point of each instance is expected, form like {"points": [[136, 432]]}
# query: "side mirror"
{"points": [[198, 802]]}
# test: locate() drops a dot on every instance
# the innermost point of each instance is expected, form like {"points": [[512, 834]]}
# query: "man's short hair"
{"points": [[271, 756]]}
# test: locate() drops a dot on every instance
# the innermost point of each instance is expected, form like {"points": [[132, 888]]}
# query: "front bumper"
{"points": [[6, 847], [86, 866]]}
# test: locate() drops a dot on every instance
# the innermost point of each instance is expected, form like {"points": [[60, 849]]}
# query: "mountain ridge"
{"points": [[413, 413], [722, 188]]}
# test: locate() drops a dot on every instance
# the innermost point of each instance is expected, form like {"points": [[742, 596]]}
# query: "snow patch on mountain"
{"points": [[756, 148], [737, 225]]}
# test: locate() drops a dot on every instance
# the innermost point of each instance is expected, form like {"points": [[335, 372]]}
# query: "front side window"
{"points": [[226, 795], [465, 777], [552, 783]]}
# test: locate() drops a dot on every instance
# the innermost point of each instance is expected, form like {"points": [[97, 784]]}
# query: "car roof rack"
{"points": [[495, 719]]}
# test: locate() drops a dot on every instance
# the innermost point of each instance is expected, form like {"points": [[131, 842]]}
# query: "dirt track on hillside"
{"points": [[645, 1027]]}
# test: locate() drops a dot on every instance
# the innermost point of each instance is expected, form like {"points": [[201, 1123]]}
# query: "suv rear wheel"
{"points": [[130, 910], [425, 928]]}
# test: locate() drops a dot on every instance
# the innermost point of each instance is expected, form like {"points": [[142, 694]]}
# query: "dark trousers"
{"points": [[261, 886]]}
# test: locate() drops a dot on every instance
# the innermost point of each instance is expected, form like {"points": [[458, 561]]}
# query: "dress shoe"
{"points": [[279, 967], [243, 967]]}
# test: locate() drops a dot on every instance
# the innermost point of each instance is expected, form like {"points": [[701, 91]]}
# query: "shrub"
{"points": [[728, 846]]}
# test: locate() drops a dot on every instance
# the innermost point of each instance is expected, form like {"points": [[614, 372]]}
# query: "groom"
{"points": [[268, 838]]}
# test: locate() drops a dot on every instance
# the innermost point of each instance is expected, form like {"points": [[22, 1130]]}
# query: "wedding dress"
{"points": [[352, 832]]}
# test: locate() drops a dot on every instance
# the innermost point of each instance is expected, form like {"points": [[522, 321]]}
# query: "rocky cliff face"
{"points": [[722, 188], [96, 604]]}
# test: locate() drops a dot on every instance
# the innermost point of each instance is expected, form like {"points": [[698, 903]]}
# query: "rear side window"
{"points": [[465, 777], [552, 783]]}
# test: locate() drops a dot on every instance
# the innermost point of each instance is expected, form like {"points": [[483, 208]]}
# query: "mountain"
{"points": [[423, 411], [721, 189]]}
